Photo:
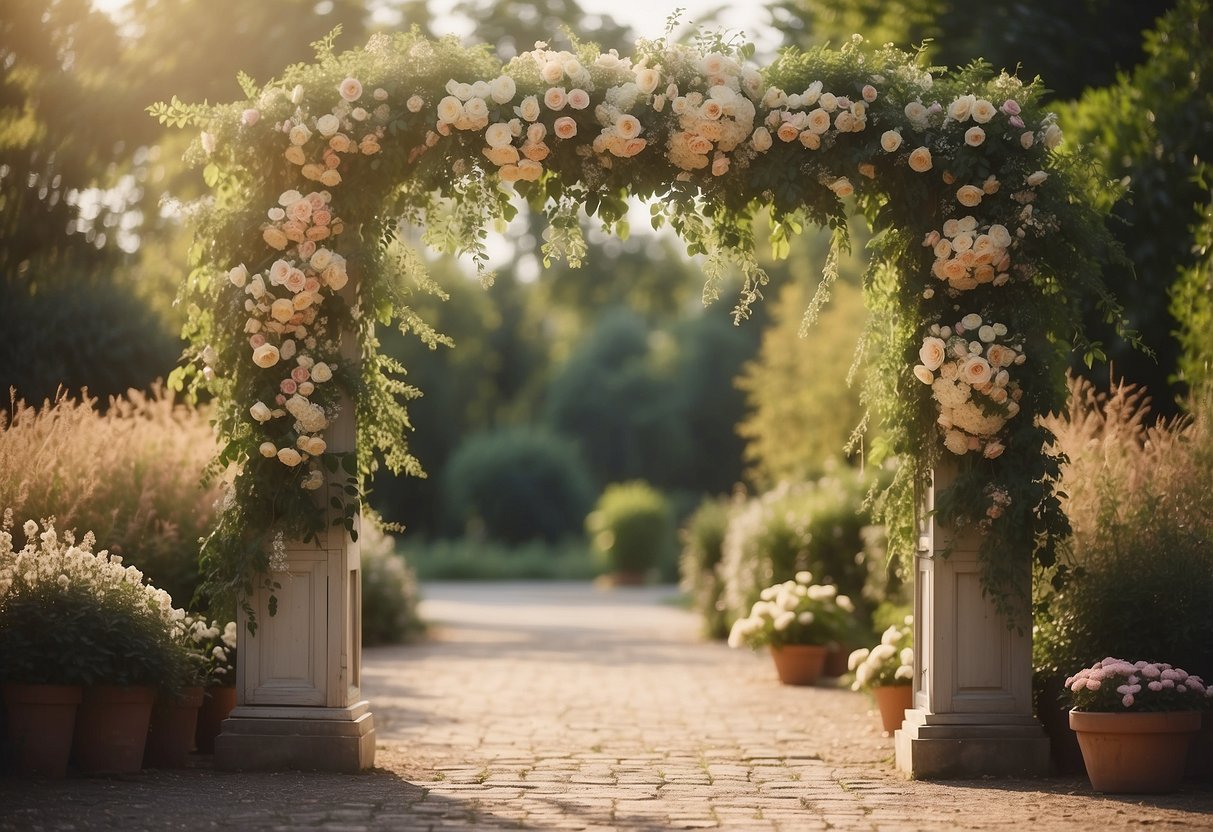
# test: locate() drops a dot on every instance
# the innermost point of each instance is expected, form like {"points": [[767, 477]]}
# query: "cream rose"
{"points": [[238, 275], [920, 160], [890, 140], [450, 109], [1026, 140], [628, 126], [260, 411], [565, 127], [761, 139], [647, 80], [961, 108], [555, 98], [350, 89], [956, 442], [974, 136], [819, 121], [300, 134], [933, 352], [983, 111], [1037, 178], [274, 237], [328, 124], [498, 135], [414, 104], [1052, 137], [916, 113], [810, 139], [266, 355], [528, 108], [842, 186], [579, 99], [976, 370], [289, 457], [321, 372], [268, 450], [923, 374], [502, 89], [969, 195]]}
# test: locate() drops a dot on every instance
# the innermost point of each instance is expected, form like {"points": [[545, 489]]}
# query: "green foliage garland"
{"points": [[973, 215]]}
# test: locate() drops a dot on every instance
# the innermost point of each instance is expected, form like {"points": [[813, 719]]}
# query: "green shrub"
{"points": [[77, 334], [820, 526], [131, 474], [1138, 498], [389, 590], [631, 529], [477, 560], [516, 485], [702, 548]]}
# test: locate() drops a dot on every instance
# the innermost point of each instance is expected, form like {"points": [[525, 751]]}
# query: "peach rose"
{"points": [[565, 127], [920, 160]]}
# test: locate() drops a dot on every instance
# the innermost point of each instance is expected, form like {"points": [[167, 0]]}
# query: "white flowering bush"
{"points": [[796, 612], [210, 647], [889, 663], [413, 132], [72, 616], [1116, 685]]}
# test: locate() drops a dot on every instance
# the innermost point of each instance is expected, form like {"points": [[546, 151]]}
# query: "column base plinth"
{"points": [[261, 738], [966, 746]]}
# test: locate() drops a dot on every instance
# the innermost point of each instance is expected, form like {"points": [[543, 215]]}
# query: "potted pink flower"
{"points": [[1134, 721]]}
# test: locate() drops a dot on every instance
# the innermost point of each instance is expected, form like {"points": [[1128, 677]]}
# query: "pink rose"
{"points": [[350, 89], [1010, 107], [256, 340], [250, 117], [288, 386], [300, 374]]}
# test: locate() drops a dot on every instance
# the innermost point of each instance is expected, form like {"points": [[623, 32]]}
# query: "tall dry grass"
{"points": [[130, 473], [1139, 494]]}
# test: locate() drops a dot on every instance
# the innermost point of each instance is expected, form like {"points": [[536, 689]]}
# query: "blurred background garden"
{"points": [[603, 420]]}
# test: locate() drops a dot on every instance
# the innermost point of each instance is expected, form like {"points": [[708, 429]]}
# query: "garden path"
{"points": [[554, 707]]}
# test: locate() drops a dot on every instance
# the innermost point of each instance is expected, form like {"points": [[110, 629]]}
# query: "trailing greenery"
{"points": [[413, 132]]}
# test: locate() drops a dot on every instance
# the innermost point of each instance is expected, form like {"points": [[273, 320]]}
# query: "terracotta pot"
{"points": [[836, 661], [170, 738], [1137, 753], [217, 703], [893, 702], [41, 720], [111, 728], [798, 664]]}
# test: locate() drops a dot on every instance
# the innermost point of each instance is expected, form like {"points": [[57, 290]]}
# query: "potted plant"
{"points": [[218, 648], [887, 672], [1134, 721], [69, 616], [174, 725], [798, 621]]}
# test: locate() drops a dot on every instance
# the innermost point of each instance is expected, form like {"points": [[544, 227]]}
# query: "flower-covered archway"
{"points": [[985, 247]]}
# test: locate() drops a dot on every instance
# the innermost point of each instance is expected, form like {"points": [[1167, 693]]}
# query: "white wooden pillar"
{"points": [[298, 702], [972, 712]]}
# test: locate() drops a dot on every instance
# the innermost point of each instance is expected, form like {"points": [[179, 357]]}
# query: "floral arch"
{"points": [[985, 248]]}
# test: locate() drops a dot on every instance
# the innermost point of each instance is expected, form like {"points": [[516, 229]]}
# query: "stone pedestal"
{"points": [[298, 703], [972, 712]]}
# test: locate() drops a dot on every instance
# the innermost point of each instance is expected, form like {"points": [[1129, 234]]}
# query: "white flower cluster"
{"points": [[812, 116], [48, 563], [317, 143], [967, 368], [968, 256], [889, 663], [212, 645], [1118, 681], [283, 307], [793, 612], [715, 123]]}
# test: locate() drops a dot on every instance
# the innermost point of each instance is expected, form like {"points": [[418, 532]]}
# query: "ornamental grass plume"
{"points": [[1139, 495], [128, 469]]}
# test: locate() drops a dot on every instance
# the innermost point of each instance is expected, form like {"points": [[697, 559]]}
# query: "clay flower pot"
{"points": [[1135, 753], [217, 703], [41, 720], [893, 702], [111, 728], [799, 664], [170, 737]]}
